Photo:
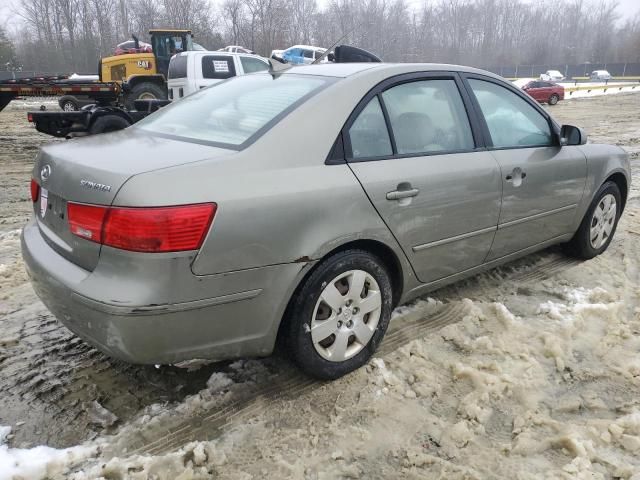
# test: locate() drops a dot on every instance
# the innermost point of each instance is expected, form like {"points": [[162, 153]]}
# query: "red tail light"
{"points": [[35, 191], [86, 221], [153, 229]]}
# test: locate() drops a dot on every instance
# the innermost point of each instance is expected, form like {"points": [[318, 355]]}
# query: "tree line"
{"points": [[70, 35]]}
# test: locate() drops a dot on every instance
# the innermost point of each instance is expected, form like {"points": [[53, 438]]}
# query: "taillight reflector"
{"points": [[35, 191], [86, 221], [152, 229]]}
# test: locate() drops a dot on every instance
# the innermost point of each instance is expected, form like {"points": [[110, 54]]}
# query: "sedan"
{"points": [[545, 92], [303, 206]]}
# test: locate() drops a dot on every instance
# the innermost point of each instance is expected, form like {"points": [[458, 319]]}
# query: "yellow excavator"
{"points": [[142, 70]]}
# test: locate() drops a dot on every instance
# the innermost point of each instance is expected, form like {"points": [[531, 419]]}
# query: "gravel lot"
{"points": [[531, 370]]}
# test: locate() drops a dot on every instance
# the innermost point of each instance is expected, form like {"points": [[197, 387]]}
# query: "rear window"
{"points": [[218, 67], [234, 113], [178, 67]]}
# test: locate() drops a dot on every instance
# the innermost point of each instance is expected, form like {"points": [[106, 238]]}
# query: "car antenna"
{"points": [[328, 50]]}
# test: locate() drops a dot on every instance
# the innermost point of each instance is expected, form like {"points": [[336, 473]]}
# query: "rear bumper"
{"points": [[238, 317]]}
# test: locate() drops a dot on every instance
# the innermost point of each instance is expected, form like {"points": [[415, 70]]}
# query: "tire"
{"points": [[108, 123], [345, 346], [582, 245], [69, 106], [553, 99], [144, 90]]}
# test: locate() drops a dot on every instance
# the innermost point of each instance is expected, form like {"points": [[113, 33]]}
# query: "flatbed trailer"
{"points": [[104, 93], [92, 119]]}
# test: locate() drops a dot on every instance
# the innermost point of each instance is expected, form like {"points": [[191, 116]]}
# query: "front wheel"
{"points": [[553, 99], [340, 315], [144, 91], [599, 223]]}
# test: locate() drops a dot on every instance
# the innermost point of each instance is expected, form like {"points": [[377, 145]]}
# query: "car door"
{"points": [[418, 156], [542, 182]]}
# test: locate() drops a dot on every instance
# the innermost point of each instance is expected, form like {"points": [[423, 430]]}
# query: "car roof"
{"points": [[344, 70]]}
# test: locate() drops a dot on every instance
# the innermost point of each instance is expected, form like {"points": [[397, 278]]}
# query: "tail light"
{"points": [[35, 191], [152, 229]]}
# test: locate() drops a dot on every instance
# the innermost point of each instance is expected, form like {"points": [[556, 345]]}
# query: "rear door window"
{"points": [[511, 120], [428, 116], [218, 67], [368, 134]]}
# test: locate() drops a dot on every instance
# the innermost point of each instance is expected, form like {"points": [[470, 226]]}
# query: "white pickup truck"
{"points": [[192, 70]]}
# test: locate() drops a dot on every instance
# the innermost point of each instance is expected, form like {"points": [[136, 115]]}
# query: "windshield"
{"points": [[234, 112]]}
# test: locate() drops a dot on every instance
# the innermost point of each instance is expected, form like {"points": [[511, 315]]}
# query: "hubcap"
{"points": [[346, 315], [603, 221], [147, 96], [68, 107]]}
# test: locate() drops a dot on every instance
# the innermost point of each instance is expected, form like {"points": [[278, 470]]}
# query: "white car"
{"points": [[552, 76], [600, 75], [190, 71], [235, 49]]}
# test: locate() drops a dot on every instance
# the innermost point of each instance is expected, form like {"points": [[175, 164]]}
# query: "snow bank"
{"points": [[39, 462]]}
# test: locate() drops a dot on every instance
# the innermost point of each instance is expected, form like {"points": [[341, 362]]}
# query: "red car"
{"points": [[545, 92]]}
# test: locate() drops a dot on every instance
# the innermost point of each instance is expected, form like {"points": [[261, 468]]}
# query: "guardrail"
{"points": [[604, 88]]}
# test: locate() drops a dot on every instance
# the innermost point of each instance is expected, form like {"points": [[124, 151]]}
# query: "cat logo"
{"points": [[146, 64]]}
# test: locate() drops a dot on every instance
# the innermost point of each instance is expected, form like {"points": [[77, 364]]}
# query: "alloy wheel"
{"points": [[602, 221], [346, 315]]}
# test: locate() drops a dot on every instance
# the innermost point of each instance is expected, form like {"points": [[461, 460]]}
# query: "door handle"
{"points": [[400, 194], [516, 173]]}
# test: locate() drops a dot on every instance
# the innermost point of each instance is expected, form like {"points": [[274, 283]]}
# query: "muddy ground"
{"points": [[445, 404]]}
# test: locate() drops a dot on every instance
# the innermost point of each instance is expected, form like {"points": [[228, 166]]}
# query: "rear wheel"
{"points": [[340, 314], [144, 91], [553, 99], [599, 223], [108, 123]]}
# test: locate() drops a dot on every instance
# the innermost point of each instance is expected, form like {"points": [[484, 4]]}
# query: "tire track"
{"points": [[291, 383]]}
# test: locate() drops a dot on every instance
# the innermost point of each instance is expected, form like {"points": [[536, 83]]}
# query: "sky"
{"points": [[626, 9]]}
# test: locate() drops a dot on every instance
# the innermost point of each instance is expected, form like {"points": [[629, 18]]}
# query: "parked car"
{"points": [[305, 206], [191, 71], [552, 76], [235, 49], [545, 92], [299, 54], [600, 75]]}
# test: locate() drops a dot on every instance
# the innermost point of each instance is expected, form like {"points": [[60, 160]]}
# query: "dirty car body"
{"points": [[289, 170]]}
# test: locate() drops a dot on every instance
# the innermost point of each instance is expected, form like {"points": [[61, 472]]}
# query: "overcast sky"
{"points": [[626, 9]]}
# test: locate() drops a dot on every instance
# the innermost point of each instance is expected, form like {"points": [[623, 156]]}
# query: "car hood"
{"points": [[92, 169]]}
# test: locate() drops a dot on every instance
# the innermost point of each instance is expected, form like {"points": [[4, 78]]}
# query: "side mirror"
{"points": [[570, 135]]}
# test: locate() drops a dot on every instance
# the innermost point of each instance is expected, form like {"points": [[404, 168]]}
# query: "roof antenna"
{"points": [[328, 50]]}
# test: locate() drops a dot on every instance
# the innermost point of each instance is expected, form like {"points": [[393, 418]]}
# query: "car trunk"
{"points": [[91, 171]]}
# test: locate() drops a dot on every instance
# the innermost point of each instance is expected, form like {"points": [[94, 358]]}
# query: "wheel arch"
{"points": [[103, 112], [134, 80], [621, 181], [382, 251]]}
